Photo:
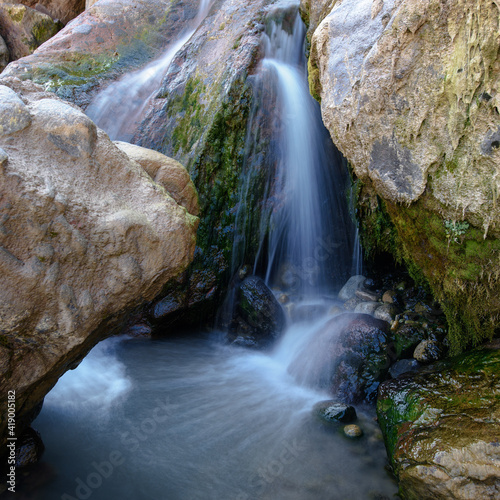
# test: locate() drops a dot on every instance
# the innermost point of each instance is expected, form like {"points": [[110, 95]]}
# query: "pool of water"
{"points": [[190, 418]]}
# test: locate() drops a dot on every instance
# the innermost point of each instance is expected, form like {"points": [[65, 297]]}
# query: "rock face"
{"points": [[442, 426], [86, 236], [24, 29], [409, 93], [63, 10]]}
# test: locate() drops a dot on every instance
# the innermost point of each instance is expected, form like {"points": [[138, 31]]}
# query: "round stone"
{"points": [[353, 431]]}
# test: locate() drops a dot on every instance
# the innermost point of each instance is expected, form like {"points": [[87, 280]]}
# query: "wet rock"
{"points": [[29, 448], [385, 312], [348, 291], [167, 172], [367, 307], [350, 305], [441, 427], [428, 351], [24, 29], [353, 431], [403, 366], [389, 297], [14, 114], [333, 411], [283, 299], [348, 357], [406, 338], [367, 295], [87, 237], [259, 317], [4, 54]]}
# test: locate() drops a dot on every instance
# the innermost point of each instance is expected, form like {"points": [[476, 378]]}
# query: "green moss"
{"points": [[16, 12], [313, 79], [462, 269]]}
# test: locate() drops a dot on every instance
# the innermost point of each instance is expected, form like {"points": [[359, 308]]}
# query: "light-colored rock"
{"points": [[166, 172], [353, 431], [24, 29], [348, 291], [385, 312], [367, 307], [4, 54], [14, 114], [410, 94], [85, 237]]}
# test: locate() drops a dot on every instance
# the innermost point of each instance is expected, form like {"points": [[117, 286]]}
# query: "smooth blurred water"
{"points": [[192, 419], [120, 107]]}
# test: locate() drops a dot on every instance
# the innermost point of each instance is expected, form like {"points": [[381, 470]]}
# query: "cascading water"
{"points": [[305, 229], [120, 107], [190, 418]]}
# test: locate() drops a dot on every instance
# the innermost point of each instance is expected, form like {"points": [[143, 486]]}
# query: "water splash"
{"points": [[120, 107], [99, 382]]}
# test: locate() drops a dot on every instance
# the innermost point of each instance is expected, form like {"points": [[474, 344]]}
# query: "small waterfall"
{"points": [[120, 107], [303, 224]]}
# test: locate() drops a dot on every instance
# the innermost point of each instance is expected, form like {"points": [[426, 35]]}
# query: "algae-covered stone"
{"points": [[25, 29], [442, 425]]}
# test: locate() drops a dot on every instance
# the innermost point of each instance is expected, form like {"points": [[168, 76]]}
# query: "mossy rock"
{"points": [[441, 427]]}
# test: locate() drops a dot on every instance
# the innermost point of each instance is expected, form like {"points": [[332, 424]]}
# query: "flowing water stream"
{"points": [[190, 418]]}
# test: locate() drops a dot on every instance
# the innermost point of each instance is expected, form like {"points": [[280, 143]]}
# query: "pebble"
{"points": [[353, 431]]}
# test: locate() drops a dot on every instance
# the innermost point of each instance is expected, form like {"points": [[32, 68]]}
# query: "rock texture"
{"points": [[24, 29], [442, 428], [4, 54], [62, 10], [86, 236], [409, 93]]}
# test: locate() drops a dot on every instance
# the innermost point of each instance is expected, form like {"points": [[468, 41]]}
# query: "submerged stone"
{"points": [[353, 431]]}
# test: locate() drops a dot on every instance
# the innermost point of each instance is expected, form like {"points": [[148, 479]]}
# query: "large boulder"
{"points": [[86, 236], [198, 117], [441, 427], [63, 10], [409, 93], [25, 29]]}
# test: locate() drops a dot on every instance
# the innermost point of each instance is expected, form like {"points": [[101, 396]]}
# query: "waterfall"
{"points": [[120, 107], [305, 236]]}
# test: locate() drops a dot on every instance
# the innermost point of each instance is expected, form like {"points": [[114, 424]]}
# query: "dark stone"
{"points": [[428, 351], [491, 141], [258, 317], [350, 356], [333, 411], [29, 448], [403, 366]]}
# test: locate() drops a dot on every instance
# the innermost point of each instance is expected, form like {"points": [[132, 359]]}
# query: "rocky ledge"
{"points": [[442, 425], [86, 236]]}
